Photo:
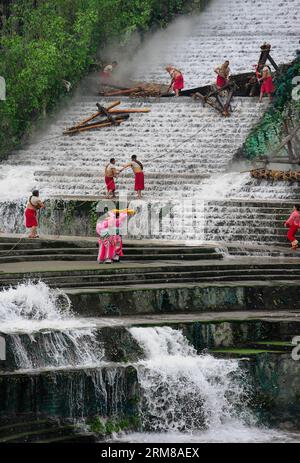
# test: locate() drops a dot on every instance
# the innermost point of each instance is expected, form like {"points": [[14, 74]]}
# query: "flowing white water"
{"points": [[184, 391], [193, 398], [30, 301], [42, 329]]}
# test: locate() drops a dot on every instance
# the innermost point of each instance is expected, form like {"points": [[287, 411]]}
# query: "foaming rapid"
{"points": [[42, 331], [15, 182], [193, 398], [183, 391], [221, 434], [23, 305]]}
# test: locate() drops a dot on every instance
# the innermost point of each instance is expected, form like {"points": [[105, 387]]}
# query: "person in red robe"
{"points": [[293, 222], [33, 205], [267, 83], [107, 74], [110, 173], [139, 179], [177, 80], [223, 73]]}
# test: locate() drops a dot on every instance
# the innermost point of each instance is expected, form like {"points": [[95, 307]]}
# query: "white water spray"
{"points": [[183, 391], [42, 331]]}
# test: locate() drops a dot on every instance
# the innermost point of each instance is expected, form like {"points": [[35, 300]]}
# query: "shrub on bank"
{"points": [[268, 133]]}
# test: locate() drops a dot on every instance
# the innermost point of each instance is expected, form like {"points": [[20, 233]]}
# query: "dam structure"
{"points": [[192, 336]]}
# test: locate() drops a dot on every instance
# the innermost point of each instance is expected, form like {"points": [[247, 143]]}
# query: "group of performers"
{"points": [[263, 76], [110, 245], [108, 227], [111, 172]]}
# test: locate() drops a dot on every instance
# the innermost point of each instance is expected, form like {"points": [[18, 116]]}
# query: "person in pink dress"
{"points": [[110, 239], [293, 222], [177, 80], [267, 83]]}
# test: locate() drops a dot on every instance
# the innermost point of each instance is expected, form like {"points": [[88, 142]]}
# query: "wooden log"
{"points": [[228, 102], [104, 111], [285, 140], [215, 92], [116, 86], [209, 102], [129, 111], [92, 126], [273, 62], [123, 92], [218, 100], [113, 105]]}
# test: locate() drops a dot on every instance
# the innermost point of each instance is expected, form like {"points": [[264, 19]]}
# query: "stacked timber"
{"points": [[138, 90], [106, 117], [276, 175]]}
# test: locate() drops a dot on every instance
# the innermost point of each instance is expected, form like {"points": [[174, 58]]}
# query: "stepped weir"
{"points": [[193, 336]]}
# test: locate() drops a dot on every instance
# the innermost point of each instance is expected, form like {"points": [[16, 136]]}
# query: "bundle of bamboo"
{"points": [[108, 117], [139, 90], [267, 174]]}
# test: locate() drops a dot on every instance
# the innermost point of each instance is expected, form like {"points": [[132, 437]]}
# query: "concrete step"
{"points": [[212, 279], [123, 278], [188, 250], [34, 436], [92, 257], [24, 427]]}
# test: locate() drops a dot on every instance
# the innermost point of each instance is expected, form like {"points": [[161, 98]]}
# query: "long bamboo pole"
{"points": [[90, 127], [123, 92], [129, 111]]}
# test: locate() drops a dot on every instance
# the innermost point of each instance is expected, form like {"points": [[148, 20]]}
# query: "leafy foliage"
{"points": [[269, 131]]}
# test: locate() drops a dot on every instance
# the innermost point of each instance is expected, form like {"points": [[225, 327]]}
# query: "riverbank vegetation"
{"points": [[282, 116]]}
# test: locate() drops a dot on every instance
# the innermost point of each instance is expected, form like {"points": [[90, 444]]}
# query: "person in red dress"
{"points": [[110, 173], [107, 74], [223, 73], [137, 167], [267, 83], [33, 205], [177, 80], [293, 222]]}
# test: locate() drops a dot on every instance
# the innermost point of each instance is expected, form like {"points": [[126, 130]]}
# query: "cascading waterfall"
{"points": [[183, 391], [54, 358], [42, 331], [56, 349]]}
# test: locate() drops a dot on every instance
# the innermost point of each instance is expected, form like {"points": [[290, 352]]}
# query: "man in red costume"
{"points": [[223, 73], [177, 82], [267, 84], [137, 168], [109, 175], [293, 222]]}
